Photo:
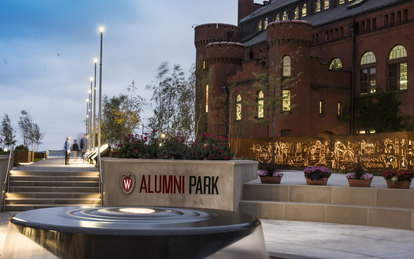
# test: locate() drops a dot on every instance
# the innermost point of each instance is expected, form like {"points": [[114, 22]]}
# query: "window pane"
{"points": [[284, 16], [339, 108], [286, 66], [364, 81], [206, 98], [317, 6], [296, 16], [393, 76], [260, 105], [320, 107], [304, 10], [238, 107], [326, 4], [372, 80], [403, 76], [286, 100], [336, 64], [368, 58], [398, 52]]}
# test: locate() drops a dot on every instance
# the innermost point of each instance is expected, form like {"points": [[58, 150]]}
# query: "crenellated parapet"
{"points": [[295, 32], [215, 32], [224, 52]]}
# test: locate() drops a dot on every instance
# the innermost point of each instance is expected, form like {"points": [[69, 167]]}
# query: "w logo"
{"points": [[127, 182]]}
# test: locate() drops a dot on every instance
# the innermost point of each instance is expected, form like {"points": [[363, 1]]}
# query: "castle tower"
{"points": [[289, 61], [223, 58], [246, 7], [204, 35]]}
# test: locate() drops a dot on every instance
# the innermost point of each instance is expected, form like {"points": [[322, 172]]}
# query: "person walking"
{"points": [[66, 148], [83, 145], [75, 149]]}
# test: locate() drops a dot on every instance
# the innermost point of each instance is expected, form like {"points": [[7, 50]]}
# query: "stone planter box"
{"points": [[41, 155], [179, 183], [23, 157]]}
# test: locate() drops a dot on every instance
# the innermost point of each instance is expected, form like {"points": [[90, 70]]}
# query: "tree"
{"points": [[380, 112], [26, 127], [7, 131], [121, 115], [173, 96], [36, 135]]}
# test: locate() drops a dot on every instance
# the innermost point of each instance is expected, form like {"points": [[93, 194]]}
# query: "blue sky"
{"points": [[47, 49]]}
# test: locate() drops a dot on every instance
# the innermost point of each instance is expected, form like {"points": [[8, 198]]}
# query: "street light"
{"points": [[90, 112], [95, 61], [86, 121], [101, 30]]}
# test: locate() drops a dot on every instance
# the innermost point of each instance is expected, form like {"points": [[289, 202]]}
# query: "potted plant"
{"points": [[359, 178], [317, 175], [398, 179], [269, 174]]}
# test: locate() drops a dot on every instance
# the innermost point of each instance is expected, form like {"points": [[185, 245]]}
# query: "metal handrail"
{"points": [[5, 183], [100, 176]]}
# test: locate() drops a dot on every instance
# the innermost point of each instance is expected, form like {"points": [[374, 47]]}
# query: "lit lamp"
{"points": [[90, 114], [86, 121], [95, 61]]}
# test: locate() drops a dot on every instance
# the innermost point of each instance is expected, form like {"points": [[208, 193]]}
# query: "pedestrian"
{"points": [[66, 148], [83, 145], [75, 149]]}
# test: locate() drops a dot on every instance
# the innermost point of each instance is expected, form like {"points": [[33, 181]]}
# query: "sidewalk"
{"points": [[295, 239]]}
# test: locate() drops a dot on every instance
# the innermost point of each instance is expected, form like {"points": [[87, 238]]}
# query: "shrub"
{"points": [[210, 147], [394, 176], [317, 172], [21, 148]]}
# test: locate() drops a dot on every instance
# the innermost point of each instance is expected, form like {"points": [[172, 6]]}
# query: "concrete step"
{"points": [[24, 207], [391, 217], [52, 178], [54, 183], [52, 172], [29, 195], [36, 201], [333, 195], [94, 189]]}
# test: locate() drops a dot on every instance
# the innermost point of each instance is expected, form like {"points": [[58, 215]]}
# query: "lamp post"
{"points": [[87, 119], [90, 113], [95, 60], [101, 30]]}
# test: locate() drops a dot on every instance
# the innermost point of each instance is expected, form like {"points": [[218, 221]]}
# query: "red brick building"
{"points": [[300, 63]]}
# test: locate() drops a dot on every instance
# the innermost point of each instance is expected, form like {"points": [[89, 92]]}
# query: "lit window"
{"points": [[368, 73], [206, 98], [320, 107], [339, 109], [259, 25], [260, 105], [284, 16], [266, 22], [326, 4], [362, 132], [286, 66], [238, 107], [204, 64], [336, 64], [397, 68], [341, 1], [304, 10], [296, 16], [286, 100], [277, 17], [317, 6], [368, 58]]}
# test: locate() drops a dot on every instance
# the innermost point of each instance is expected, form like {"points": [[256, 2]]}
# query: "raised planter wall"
{"points": [[23, 156], [3, 169], [184, 183]]}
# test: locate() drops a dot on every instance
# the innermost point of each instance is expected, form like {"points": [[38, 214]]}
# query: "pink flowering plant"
{"points": [[138, 146], [394, 176], [359, 174], [317, 172], [173, 148], [268, 169]]}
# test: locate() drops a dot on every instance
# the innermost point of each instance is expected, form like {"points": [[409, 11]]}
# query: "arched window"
{"points": [[286, 66], [397, 69], [238, 107], [304, 10], [325, 4], [296, 13], [277, 17], [259, 25], [206, 98], [266, 22], [317, 6], [260, 105], [336, 64], [285, 16], [368, 73]]}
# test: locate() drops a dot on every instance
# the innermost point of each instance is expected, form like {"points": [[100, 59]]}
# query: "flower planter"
{"points": [[270, 179], [399, 185], [359, 182], [322, 181]]}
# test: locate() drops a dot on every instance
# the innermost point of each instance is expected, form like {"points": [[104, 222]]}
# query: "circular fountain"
{"points": [[133, 232]]}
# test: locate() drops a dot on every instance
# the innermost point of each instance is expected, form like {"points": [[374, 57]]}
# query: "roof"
{"points": [[331, 15]]}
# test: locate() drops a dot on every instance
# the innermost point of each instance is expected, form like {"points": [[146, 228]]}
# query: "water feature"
{"points": [[134, 232]]}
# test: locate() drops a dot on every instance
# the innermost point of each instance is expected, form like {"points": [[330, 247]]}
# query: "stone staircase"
{"points": [[382, 207], [48, 187]]}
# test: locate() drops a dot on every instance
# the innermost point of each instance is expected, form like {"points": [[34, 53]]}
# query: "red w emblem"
{"points": [[127, 182]]}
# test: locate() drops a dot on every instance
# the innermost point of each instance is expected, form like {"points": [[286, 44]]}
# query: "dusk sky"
{"points": [[47, 49]]}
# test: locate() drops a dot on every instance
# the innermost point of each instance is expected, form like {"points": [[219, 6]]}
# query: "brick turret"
{"points": [[293, 39], [223, 34]]}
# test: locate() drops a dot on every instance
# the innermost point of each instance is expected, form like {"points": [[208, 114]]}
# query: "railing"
{"points": [[5, 184], [100, 177]]}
